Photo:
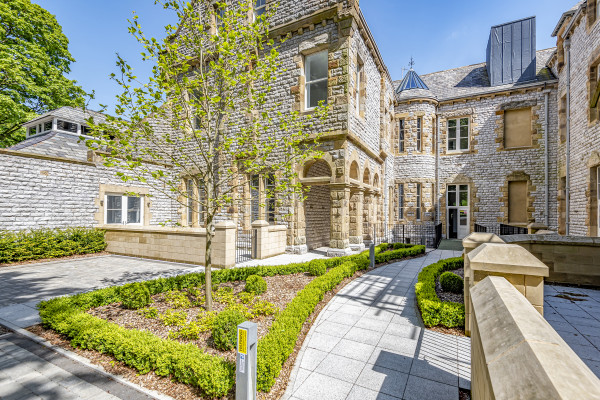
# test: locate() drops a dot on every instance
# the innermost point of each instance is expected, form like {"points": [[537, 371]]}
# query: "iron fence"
{"points": [[501, 229], [427, 235], [245, 243]]}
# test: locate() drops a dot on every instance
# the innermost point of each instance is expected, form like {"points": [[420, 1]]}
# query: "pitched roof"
{"points": [[54, 144], [72, 114], [566, 15], [471, 80]]}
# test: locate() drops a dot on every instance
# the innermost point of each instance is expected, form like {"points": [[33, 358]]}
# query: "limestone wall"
{"points": [[49, 192], [515, 353], [572, 260], [585, 130]]}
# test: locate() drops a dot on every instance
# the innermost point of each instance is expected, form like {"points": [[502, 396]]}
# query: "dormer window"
{"points": [[85, 130], [32, 131], [66, 126], [47, 126]]}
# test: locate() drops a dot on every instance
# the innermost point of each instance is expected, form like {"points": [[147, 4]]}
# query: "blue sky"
{"points": [[438, 34]]}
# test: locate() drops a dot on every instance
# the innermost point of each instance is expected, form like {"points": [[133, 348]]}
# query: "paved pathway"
{"points": [[368, 343], [22, 287], [577, 321], [30, 371]]}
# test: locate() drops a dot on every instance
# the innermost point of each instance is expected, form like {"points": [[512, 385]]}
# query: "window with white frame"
{"points": [[254, 198], [269, 185], [401, 136], [458, 134], [219, 14], [419, 132], [122, 209], [260, 8], [316, 67], [190, 202], [401, 201], [418, 210]]}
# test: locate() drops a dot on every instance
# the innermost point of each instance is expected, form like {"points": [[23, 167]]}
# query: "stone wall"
{"points": [[515, 353], [570, 259], [50, 192], [585, 129]]}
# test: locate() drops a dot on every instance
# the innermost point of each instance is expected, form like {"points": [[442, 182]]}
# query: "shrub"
{"points": [[150, 312], [177, 299], [135, 295], [256, 284], [451, 282], [434, 311], [173, 318], [49, 243], [224, 331], [317, 267], [262, 307]]}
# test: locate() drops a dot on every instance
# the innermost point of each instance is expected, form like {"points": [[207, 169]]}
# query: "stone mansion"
{"points": [[514, 140]]}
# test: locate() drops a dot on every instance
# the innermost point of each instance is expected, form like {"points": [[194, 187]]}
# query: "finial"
{"points": [[411, 63]]}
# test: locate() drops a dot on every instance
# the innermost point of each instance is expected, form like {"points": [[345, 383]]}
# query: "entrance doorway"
{"points": [[458, 211]]}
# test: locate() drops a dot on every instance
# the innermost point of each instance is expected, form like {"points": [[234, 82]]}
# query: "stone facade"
{"points": [[355, 189], [576, 64]]}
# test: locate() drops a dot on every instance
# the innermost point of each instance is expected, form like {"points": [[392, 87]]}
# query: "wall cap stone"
{"points": [[477, 238], [154, 229], [226, 225], [259, 223], [506, 259], [553, 238], [525, 357]]}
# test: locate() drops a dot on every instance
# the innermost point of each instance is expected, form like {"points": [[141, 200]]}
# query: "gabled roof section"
{"points": [[412, 80], [565, 16]]}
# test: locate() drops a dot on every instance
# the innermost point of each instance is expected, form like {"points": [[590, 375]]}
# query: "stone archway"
{"points": [[317, 206]]}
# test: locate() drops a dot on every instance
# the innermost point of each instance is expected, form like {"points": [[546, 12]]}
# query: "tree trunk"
{"points": [[208, 263]]}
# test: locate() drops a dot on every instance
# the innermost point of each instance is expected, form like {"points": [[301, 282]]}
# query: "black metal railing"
{"points": [[427, 235], [501, 229], [245, 242]]}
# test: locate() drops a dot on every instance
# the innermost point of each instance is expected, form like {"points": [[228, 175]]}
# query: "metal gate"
{"points": [[245, 245]]}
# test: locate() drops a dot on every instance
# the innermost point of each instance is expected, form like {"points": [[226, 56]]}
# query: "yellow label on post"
{"points": [[242, 341]]}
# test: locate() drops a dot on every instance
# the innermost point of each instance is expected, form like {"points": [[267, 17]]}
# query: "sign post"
{"points": [[245, 372], [372, 254]]}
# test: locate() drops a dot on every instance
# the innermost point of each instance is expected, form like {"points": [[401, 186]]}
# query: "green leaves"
{"points": [[34, 59]]}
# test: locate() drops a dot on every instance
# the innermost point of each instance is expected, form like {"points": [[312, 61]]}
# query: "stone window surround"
{"points": [[443, 134], [426, 196], [593, 83], [105, 189], [536, 127], [359, 92], [457, 137], [504, 201], [410, 133], [591, 194]]}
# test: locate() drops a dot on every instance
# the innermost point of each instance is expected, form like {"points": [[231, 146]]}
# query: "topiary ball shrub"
{"points": [[451, 282], [134, 295], [317, 267], [224, 329], [255, 284]]}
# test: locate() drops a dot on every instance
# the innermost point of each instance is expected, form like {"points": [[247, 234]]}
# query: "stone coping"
{"points": [[524, 356], [477, 238], [155, 229], [553, 239], [506, 259]]}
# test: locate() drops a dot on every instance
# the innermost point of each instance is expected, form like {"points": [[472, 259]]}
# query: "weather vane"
{"points": [[411, 63]]}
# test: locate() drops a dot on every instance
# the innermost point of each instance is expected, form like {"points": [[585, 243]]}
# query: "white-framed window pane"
{"points": [[134, 210], [317, 92], [190, 202], [401, 201], [114, 209], [254, 198], [401, 135], [464, 195], [452, 144], [418, 201], [260, 7], [452, 196], [316, 66]]}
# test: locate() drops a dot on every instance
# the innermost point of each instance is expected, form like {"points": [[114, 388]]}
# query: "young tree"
{"points": [[34, 59], [207, 115]]}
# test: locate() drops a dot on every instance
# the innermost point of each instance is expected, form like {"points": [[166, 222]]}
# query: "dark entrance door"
{"points": [[453, 223]]}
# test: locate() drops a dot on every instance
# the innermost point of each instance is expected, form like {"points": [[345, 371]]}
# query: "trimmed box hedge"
{"points": [[434, 311], [187, 363], [49, 243]]}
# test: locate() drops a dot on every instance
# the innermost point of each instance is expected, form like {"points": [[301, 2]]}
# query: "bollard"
{"points": [[245, 372], [372, 254]]}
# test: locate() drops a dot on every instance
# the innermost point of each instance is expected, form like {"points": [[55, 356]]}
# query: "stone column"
{"points": [[296, 235], [470, 243], [367, 217], [356, 219], [223, 250], [521, 268], [339, 244]]}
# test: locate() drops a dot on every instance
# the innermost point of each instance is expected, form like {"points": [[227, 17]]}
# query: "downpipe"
{"points": [[568, 144]]}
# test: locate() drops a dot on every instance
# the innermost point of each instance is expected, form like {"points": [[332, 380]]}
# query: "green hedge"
{"points": [[434, 311], [49, 243], [187, 363]]}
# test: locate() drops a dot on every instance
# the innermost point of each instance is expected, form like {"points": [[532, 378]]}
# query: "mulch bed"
{"points": [[43, 260], [179, 391]]}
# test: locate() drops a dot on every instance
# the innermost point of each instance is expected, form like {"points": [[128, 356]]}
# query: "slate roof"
{"points": [[71, 114], [470, 80], [54, 144]]}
